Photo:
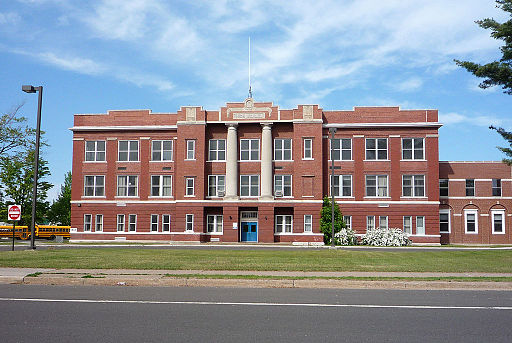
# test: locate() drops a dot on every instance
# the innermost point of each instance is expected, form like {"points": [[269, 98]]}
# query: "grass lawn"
{"points": [[491, 261]]}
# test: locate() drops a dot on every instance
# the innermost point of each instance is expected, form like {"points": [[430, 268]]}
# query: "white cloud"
{"points": [[76, 64], [409, 85], [9, 18], [475, 119]]}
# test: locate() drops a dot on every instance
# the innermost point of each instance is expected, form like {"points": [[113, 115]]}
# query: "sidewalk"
{"points": [[264, 279]]}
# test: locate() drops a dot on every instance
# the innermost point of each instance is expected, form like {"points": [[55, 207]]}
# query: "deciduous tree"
{"points": [[325, 220], [60, 210]]}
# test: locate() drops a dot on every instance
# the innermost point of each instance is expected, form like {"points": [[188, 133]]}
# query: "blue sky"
{"points": [[97, 55]]}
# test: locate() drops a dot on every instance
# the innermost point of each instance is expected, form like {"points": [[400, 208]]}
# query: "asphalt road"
{"points": [[143, 314]]}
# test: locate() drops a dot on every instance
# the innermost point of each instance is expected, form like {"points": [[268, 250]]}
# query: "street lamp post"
{"points": [[332, 131], [32, 89]]}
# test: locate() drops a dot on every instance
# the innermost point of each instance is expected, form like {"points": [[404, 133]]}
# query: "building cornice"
{"points": [[379, 125], [125, 128]]}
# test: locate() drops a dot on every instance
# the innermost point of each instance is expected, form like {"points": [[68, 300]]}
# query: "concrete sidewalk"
{"points": [[269, 279]]}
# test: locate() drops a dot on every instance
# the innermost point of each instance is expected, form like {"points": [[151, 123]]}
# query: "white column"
{"points": [[266, 162], [231, 163]]}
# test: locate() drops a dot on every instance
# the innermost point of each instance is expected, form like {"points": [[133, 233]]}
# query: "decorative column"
{"points": [[266, 162], [231, 163]]}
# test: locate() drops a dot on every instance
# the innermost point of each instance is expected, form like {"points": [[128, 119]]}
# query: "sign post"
{"points": [[14, 214]]}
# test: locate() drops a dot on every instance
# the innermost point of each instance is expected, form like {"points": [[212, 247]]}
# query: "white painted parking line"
{"points": [[153, 302]]}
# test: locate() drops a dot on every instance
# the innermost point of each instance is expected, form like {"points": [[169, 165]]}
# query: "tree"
{"points": [[325, 219], [14, 133], [60, 210]]}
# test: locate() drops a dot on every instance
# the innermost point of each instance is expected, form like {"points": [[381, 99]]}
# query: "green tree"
{"points": [[325, 219], [15, 134], [60, 210]]}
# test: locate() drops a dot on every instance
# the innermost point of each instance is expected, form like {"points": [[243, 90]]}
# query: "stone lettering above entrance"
{"points": [[248, 115]]}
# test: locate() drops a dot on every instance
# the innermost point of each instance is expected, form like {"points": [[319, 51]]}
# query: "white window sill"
{"points": [[282, 160], [127, 161], [471, 233], [189, 196], [377, 160], [412, 160], [94, 197], [189, 159], [308, 159], [367, 197], [216, 161], [165, 161], [445, 232], [249, 161], [160, 197], [213, 233], [498, 233], [413, 197], [340, 161], [88, 162], [126, 197]]}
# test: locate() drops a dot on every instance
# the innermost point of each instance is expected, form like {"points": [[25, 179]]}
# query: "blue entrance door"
{"points": [[249, 232]]}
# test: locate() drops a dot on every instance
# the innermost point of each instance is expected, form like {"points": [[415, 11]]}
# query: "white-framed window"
{"points": [[376, 148], [383, 222], [95, 151], [98, 225], [498, 222], [308, 223], [471, 221], [154, 223], [127, 185], [191, 149], [376, 185], [283, 184], [166, 223], [214, 223], [408, 225], [249, 149], [413, 185], [189, 186], [161, 185], [132, 222], [496, 187], [120, 223], [283, 223], [87, 222], [128, 151], [94, 185], [161, 150], [342, 186], [348, 221], [341, 149], [249, 185], [283, 149], [189, 222], [470, 187], [370, 223], [420, 225], [413, 149], [443, 187], [217, 150], [444, 221], [216, 185], [308, 149]]}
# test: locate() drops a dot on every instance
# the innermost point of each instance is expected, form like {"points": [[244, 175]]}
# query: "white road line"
{"points": [[152, 302]]}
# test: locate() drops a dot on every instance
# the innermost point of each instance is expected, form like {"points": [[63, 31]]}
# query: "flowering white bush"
{"points": [[392, 237], [346, 236]]}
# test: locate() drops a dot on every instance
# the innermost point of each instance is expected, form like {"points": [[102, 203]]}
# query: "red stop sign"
{"points": [[14, 212]]}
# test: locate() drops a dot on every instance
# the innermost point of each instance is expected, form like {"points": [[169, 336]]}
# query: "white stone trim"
{"points": [[125, 128]]}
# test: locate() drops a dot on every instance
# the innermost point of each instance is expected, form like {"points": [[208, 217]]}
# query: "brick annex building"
{"points": [[252, 172]]}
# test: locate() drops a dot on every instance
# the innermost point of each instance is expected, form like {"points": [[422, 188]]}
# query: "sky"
{"points": [[99, 55]]}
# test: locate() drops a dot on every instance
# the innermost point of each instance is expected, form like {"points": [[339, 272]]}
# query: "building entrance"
{"points": [[249, 226]]}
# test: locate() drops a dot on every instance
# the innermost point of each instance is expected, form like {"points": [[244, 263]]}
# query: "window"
{"points": [[348, 221], [189, 222], [308, 223], [132, 222], [470, 187], [341, 149], [283, 184], [412, 149], [191, 149], [345, 182], [283, 149], [308, 149], [249, 149], [166, 222], [249, 185], [408, 225], [120, 223], [420, 226], [471, 221], [498, 221], [214, 223], [216, 185], [161, 150], [128, 151], [95, 151], [444, 221], [283, 224], [376, 185], [370, 223], [161, 185], [94, 186], [217, 150], [127, 185], [154, 223], [99, 223], [496, 187], [376, 148], [189, 186], [443, 187], [383, 222], [413, 185], [87, 222]]}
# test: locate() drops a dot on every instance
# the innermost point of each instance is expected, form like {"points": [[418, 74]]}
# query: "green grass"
{"points": [[491, 261]]}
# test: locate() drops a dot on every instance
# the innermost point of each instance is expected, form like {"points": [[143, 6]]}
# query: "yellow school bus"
{"points": [[41, 231]]}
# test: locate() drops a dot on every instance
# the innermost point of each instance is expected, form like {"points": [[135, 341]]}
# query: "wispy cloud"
{"points": [[409, 85], [9, 18], [476, 119]]}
